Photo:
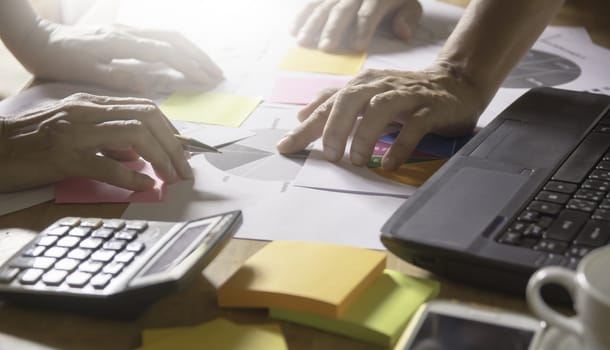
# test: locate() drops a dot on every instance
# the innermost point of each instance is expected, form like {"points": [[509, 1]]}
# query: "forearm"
{"points": [[17, 21], [490, 39]]}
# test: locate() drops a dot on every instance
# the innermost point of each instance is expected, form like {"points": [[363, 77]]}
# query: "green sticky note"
{"points": [[209, 108], [379, 316], [308, 60]]}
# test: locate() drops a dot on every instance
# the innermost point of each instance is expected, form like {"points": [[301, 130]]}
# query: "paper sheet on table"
{"points": [[11, 202], [216, 334], [209, 108], [301, 90], [83, 190], [213, 135], [301, 59]]}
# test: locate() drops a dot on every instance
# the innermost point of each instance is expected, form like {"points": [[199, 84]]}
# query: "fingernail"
{"points": [[188, 171], [358, 159], [325, 44], [285, 144], [388, 163], [331, 153]]}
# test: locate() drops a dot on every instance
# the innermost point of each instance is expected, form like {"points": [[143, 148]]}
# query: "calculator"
{"points": [[112, 267]]}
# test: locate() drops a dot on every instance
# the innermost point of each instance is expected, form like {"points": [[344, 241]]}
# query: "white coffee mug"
{"points": [[589, 287]]}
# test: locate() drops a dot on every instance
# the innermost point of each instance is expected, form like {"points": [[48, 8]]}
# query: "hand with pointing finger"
{"points": [[334, 25]]}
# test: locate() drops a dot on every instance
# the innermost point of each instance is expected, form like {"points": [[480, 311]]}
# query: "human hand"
{"points": [[62, 52], [331, 24], [437, 100], [64, 139]]}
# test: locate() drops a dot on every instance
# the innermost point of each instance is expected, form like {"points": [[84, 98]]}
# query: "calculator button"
{"points": [[100, 281], [78, 279], [91, 243], [103, 233], [126, 235], [34, 251], [56, 252], [57, 231], [90, 266], [54, 277], [38, 263], [103, 255], [7, 274], [68, 242], [69, 221], [135, 247], [31, 276], [46, 241], [113, 268], [114, 245], [80, 231], [91, 222], [114, 224], [125, 257], [67, 264], [137, 225], [79, 253]]}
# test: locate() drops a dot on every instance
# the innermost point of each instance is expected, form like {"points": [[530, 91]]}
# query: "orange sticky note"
{"points": [[310, 277]]}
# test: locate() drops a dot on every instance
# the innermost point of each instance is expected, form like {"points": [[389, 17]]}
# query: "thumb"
{"points": [[406, 19]]}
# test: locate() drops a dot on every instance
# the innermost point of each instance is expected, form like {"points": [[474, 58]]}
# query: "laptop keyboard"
{"points": [[570, 216]]}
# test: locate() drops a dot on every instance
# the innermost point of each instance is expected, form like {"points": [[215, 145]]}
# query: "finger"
{"points": [[338, 23], [114, 173], [308, 131], [406, 19], [370, 14], [123, 45], [350, 102], [310, 32], [183, 44], [302, 16], [380, 113], [411, 133], [322, 97]]}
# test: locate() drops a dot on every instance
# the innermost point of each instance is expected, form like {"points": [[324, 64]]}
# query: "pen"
{"points": [[196, 146]]}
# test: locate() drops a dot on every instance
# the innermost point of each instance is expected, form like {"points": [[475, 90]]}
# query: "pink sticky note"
{"points": [[84, 190], [300, 90]]}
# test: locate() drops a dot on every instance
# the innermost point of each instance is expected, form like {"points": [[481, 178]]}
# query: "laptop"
{"points": [[529, 190]]}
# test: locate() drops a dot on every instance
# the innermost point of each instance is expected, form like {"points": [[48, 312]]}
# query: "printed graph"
{"points": [[538, 68]]}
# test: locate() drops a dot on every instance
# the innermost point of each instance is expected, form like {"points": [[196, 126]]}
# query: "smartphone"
{"points": [[447, 325]]}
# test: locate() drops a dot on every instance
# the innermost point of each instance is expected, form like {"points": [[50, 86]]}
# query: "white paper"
{"points": [[11, 202]]}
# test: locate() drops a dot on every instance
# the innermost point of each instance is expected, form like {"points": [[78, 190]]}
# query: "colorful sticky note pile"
{"points": [[211, 108], [216, 334], [429, 155], [304, 277], [309, 60], [379, 315], [85, 190]]}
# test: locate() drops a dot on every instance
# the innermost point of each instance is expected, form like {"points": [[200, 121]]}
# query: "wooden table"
{"points": [[22, 328]]}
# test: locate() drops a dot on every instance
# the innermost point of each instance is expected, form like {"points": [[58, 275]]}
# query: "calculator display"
{"points": [[177, 249]]}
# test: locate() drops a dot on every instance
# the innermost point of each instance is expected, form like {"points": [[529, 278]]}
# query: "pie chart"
{"points": [[539, 68], [257, 158]]}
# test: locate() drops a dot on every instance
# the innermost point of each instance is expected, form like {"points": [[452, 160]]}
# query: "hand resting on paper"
{"points": [[98, 54], [332, 25], [87, 135], [433, 100]]}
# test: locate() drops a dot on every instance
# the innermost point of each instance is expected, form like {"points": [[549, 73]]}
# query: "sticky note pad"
{"points": [[379, 315], [309, 60], [302, 276], [300, 90], [210, 108], [216, 334], [84, 190]]}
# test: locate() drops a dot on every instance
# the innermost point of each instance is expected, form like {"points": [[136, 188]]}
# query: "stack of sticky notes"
{"points": [[341, 289], [216, 334]]}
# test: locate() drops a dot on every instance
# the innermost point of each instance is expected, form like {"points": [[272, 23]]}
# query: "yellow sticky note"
{"points": [[414, 174], [379, 315], [303, 276], [308, 60], [210, 108], [216, 334]]}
